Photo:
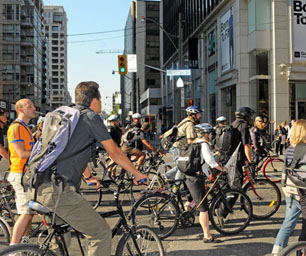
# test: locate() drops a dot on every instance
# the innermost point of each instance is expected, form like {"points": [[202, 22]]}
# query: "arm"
{"points": [[248, 152], [20, 150], [120, 158], [208, 158], [148, 145], [3, 152]]}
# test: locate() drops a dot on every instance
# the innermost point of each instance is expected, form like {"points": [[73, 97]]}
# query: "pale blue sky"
{"points": [[83, 62]]}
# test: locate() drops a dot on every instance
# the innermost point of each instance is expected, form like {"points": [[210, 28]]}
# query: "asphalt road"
{"points": [[256, 239]]}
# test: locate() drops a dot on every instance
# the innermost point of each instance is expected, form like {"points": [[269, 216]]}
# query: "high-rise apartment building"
{"points": [[21, 52], [55, 29]]}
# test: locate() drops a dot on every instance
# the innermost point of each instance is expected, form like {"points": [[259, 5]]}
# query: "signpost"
{"points": [[178, 72]]}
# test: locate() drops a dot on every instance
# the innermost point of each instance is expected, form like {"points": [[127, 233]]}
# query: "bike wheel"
{"points": [[159, 211], [298, 248], [4, 233], [25, 249], [272, 169], [227, 212], [265, 197], [146, 239]]}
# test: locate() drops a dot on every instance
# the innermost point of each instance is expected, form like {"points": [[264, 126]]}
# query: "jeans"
{"points": [[293, 211], [174, 173]]}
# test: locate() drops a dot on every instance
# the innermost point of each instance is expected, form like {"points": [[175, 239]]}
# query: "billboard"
{"points": [[211, 43], [298, 30], [227, 40]]}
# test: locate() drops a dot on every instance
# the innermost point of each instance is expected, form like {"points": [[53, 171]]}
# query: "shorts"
{"points": [[22, 198], [129, 150], [196, 187]]}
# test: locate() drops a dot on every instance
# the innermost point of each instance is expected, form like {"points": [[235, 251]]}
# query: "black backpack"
{"points": [[170, 136], [189, 160], [224, 140]]}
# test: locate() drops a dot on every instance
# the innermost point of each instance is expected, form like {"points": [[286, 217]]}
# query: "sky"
{"points": [[84, 64]]}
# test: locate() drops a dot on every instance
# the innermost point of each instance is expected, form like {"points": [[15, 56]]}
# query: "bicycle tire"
{"points": [[265, 198], [25, 249], [233, 220], [293, 249], [4, 232], [272, 169], [159, 211], [148, 241]]}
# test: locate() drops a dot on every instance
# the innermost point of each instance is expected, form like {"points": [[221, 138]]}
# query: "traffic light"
{"points": [[122, 64]]}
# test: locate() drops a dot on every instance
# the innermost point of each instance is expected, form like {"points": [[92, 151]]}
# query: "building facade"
{"points": [[245, 57], [142, 39], [21, 53], [55, 29]]}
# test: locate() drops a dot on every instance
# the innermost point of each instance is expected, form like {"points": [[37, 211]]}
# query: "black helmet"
{"points": [[245, 113]]}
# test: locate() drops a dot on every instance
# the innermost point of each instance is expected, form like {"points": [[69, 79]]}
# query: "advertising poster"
{"points": [[298, 30], [227, 40]]}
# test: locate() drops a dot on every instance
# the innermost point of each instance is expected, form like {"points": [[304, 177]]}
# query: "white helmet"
{"points": [[221, 119], [204, 127], [136, 116], [112, 118], [40, 119]]}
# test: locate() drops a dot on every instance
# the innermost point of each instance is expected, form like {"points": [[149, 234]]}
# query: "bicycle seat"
{"points": [[39, 207]]}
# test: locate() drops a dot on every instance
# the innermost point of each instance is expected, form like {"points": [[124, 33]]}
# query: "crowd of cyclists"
{"points": [[125, 144]]}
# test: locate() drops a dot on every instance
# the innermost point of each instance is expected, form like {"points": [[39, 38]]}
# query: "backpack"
{"points": [[56, 132], [296, 172], [132, 135], [170, 136], [224, 140], [189, 160]]}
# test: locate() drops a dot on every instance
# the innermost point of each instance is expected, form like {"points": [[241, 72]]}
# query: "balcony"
{"points": [[27, 61], [27, 42], [27, 22]]}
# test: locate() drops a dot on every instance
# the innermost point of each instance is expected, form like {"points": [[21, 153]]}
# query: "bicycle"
{"points": [[296, 249], [271, 166], [140, 240], [164, 211], [264, 194]]}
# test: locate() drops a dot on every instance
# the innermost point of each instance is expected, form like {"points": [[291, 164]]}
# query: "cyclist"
{"points": [[114, 129], [71, 206], [258, 139], [195, 182], [242, 134], [136, 117], [134, 146], [20, 141], [186, 135]]}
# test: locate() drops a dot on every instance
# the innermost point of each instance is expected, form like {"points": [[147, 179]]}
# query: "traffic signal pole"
{"points": [[180, 60]]}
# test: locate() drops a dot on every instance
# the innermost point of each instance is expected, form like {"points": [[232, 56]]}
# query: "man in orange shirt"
{"points": [[20, 141]]}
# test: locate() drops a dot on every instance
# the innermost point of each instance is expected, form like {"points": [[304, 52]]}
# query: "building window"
{"points": [[258, 15], [259, 63], [11, 32], [10, 72], [10, 52]]}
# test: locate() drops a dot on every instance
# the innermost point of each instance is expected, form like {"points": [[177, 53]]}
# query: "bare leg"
{"points": [[21, 227], [204, 221]]}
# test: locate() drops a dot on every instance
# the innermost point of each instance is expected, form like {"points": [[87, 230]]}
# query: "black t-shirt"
{"points": [[115, 133], [72, 162], [241, 134]]}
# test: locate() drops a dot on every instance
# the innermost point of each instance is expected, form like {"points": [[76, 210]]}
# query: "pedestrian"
{"points": [[258, 139], [72, 164], [20, 142], [294, 204], [278, 136]]}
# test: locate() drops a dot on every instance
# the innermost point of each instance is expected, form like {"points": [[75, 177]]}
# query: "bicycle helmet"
{"points": [[245, 113], [204, 128], [112, 118], [193, 110], [221, 119], [136, 116]]}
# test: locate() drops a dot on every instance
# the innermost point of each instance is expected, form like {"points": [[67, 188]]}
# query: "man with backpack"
{"points": [[114, 129], [185, 135], [59, 190], [136, 117], [241, 134], [20, 142]]}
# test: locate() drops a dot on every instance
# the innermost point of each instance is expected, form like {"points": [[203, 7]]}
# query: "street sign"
{"points": [[180, 83], [182, 97], [178, 72], [132, 62]]}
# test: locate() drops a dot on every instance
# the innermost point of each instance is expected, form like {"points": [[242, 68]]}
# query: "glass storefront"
{"points": [[297, 97]]}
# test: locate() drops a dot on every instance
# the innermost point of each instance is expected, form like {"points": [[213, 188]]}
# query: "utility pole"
{"points": [[180, 60]]}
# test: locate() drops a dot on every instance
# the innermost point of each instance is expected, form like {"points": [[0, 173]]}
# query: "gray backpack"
{"points": [[56, 132]]}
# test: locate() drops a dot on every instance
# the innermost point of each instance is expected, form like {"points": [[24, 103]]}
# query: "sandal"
{"points": [[211, 240]]}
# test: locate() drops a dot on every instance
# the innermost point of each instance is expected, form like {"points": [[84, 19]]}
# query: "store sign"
{"points": [[227, 40], [298, 30]]}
